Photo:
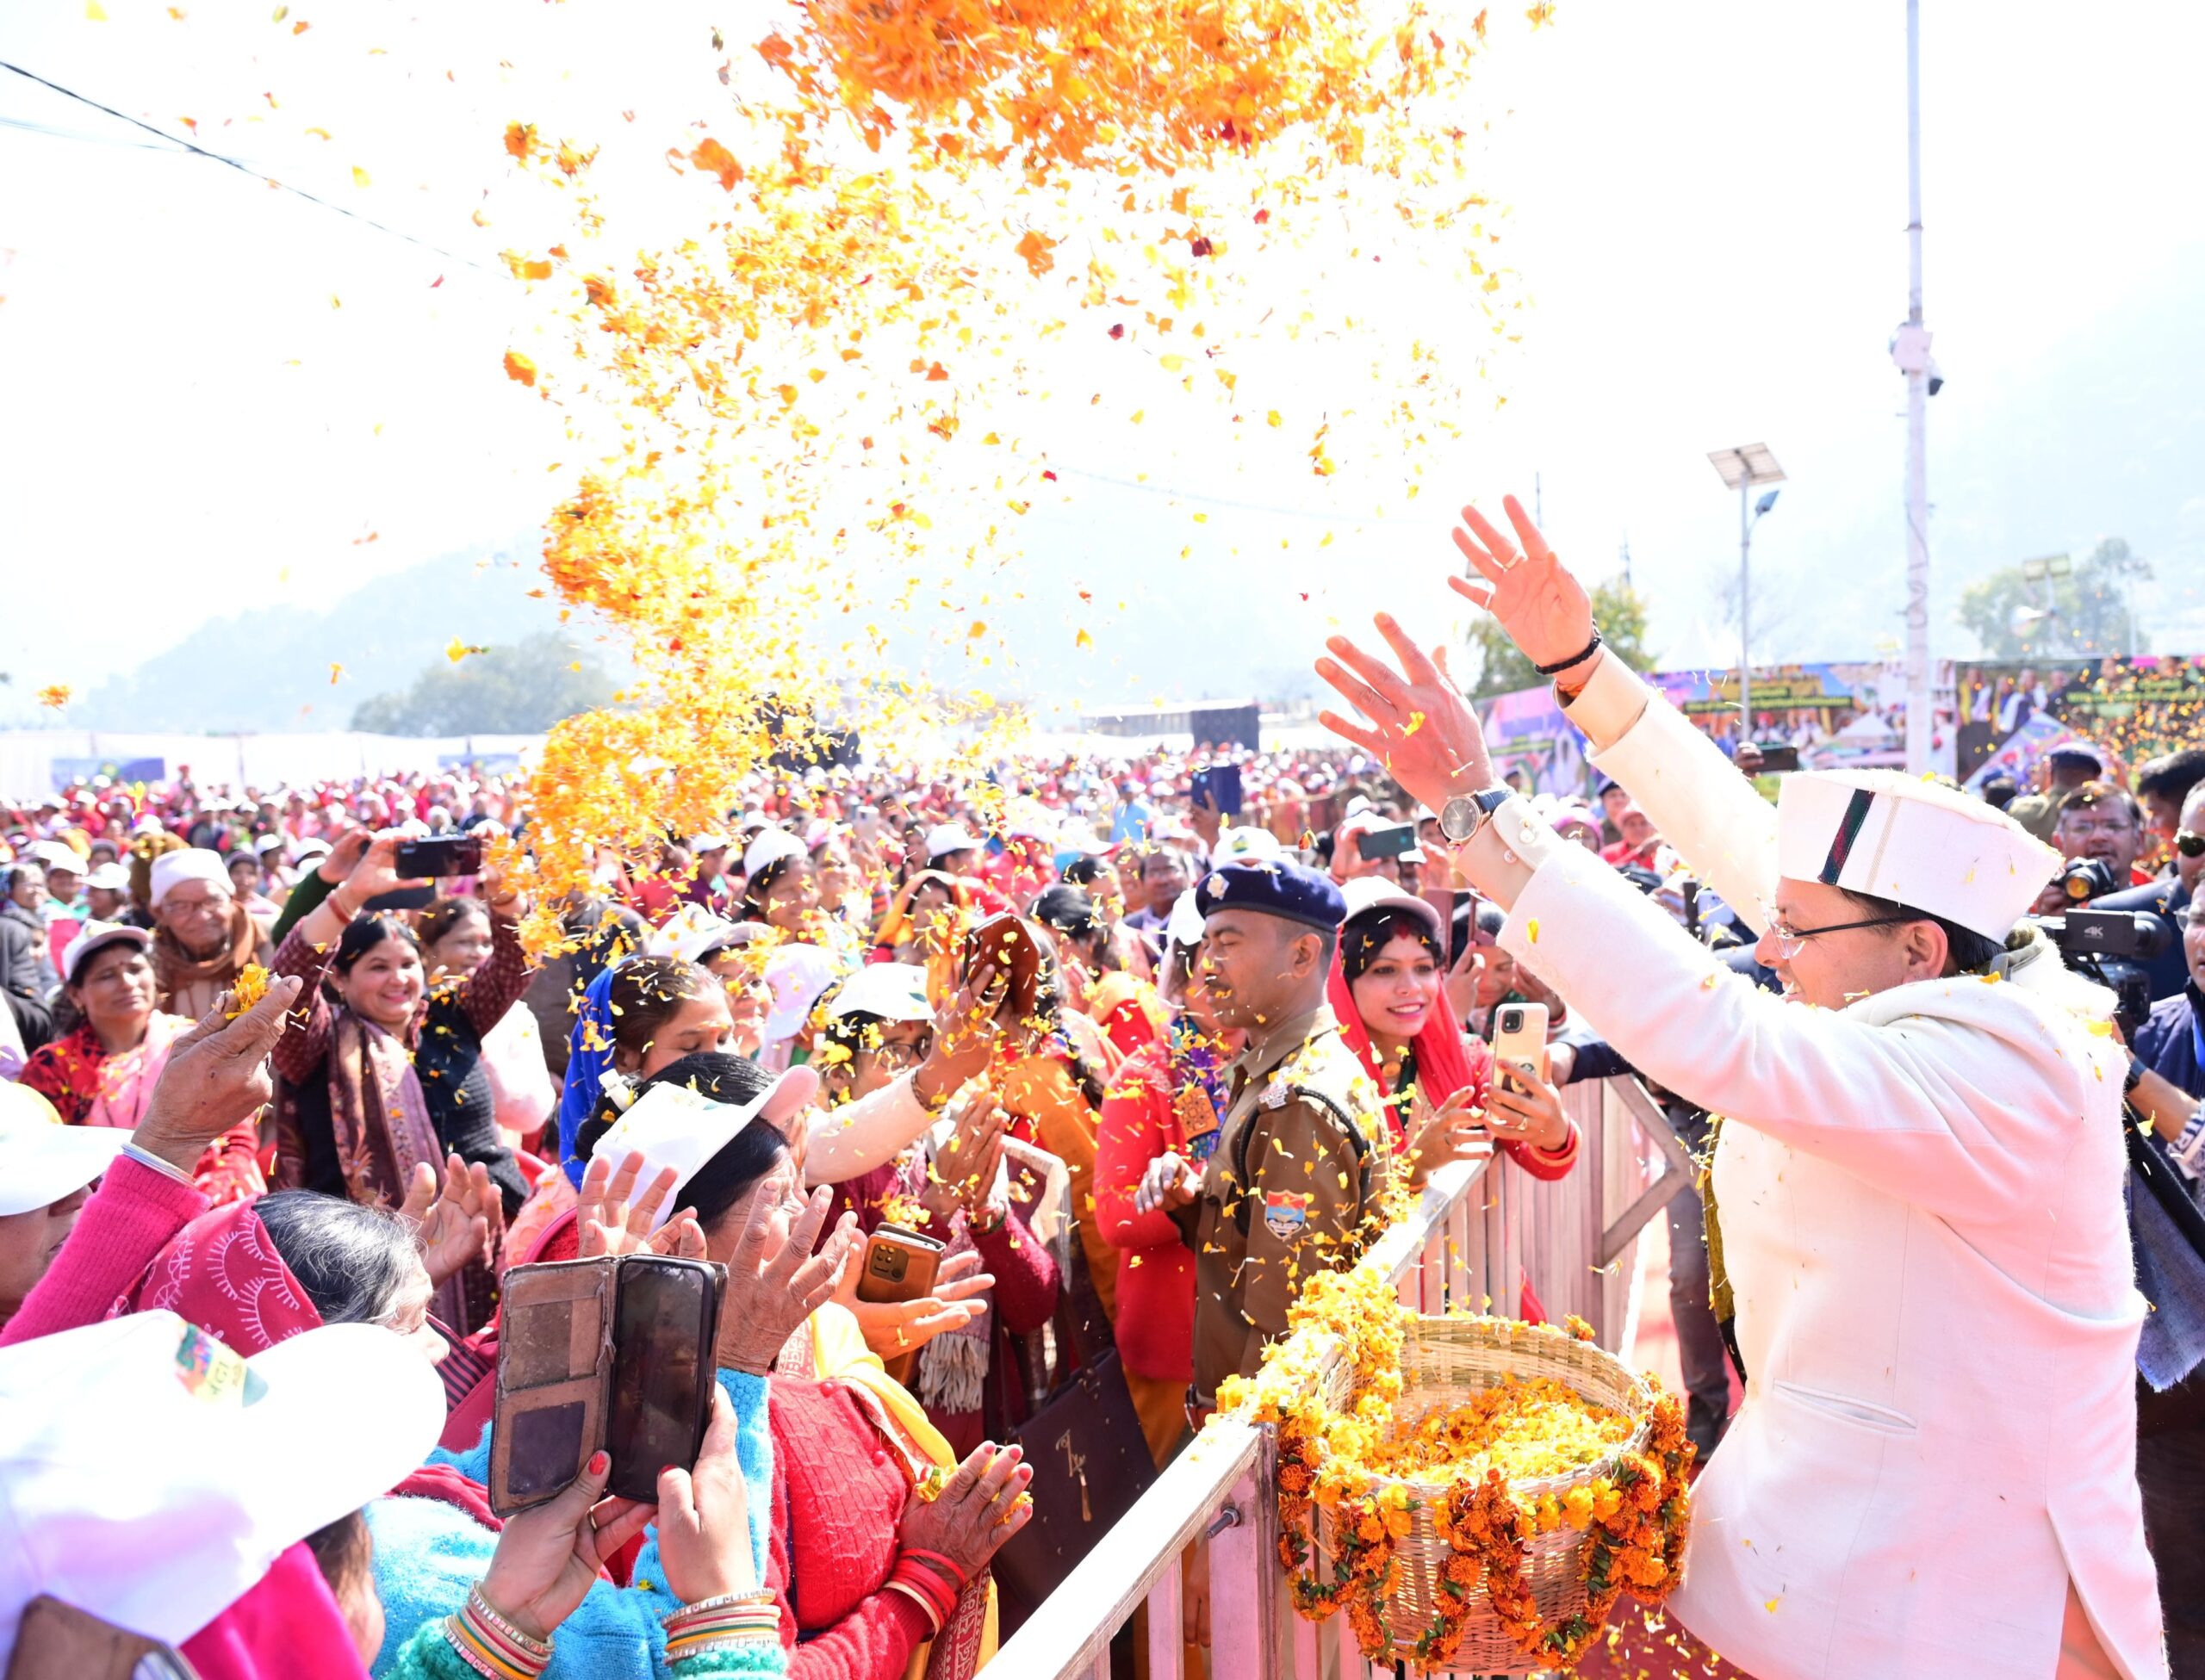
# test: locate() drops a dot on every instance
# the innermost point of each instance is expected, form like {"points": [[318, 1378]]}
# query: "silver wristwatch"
{"points": [[1461, 818]]}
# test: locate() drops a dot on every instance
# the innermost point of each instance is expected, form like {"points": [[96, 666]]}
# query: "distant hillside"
{"points": [[269, 668]]}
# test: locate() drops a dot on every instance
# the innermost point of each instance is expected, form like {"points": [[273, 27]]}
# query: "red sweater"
{"points": [[1024, 1298], [838, 1503], [1156, 1270]]}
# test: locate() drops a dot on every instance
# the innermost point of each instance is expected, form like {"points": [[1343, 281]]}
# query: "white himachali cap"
{"points": [[946, 837], [42, 1161], [92, 937], [693, 932], [1923, 845], [1245, 846], [671, 1126], [796, 975], [150, 1477], [172, 869], [769, 848], [894, 991], [51, 855]]}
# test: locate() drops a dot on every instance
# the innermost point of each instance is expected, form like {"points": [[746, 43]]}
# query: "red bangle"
{"points": [[949, 1564]]}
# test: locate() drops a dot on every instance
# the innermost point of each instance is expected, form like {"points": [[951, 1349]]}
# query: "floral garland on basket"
{"points": [[1353, 1461]]}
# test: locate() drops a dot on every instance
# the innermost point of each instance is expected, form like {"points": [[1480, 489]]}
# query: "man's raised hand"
{"points": [[1541, 606]]}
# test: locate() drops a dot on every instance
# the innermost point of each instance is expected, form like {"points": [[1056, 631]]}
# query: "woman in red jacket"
{"points": [[1170, 1095]]}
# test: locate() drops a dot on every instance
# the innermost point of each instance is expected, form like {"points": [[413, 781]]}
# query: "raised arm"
{"points": [[1888, 1102], [494, 988]]}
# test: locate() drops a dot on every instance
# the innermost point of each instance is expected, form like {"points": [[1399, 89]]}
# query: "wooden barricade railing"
{"points": [[1482, 1230]]}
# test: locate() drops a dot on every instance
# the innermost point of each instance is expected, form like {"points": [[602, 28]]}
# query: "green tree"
{"points": [[2086, 613], [1617, 609], [518, 690]]}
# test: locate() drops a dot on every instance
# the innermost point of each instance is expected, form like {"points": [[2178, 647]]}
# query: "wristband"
{"points": [[988, 1221], [1576, 660], [2135, 1077]]}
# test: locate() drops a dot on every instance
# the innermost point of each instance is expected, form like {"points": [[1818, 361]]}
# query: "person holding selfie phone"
{"points": [[1917, 1176], [1447, 1098], [385, 1073]]}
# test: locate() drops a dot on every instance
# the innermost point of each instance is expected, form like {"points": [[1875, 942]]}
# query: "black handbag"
{"points": [[1090, 1463]]}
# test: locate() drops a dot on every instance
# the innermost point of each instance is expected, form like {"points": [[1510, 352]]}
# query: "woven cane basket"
{"points": [[1443, 1362]]}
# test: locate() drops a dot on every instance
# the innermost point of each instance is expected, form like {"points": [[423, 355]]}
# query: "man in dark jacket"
{"points": [[2169, 897], [23, 980]]}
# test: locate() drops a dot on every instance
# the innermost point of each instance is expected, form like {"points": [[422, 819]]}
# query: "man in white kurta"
{"points": [[1919, 1190]]}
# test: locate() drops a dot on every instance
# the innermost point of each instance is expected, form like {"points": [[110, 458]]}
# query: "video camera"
{"points": [[2111, 947]]}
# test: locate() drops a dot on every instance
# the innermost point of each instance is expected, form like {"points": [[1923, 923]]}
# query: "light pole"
{"points": [[1910, 350], [1744, 470]]}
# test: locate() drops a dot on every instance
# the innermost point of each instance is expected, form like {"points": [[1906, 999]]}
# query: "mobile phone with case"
{"points": [[899, 1265], [614, 1353], [1519, 1037]]}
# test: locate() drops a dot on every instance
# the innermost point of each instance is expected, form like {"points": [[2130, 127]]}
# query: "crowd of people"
{"points": [[1122, 1056]]}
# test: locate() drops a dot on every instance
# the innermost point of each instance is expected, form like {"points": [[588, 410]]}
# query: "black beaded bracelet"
{"points": [[1591, 649]]}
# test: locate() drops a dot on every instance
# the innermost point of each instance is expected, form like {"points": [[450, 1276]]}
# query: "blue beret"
{"points": [[1275, 888]]}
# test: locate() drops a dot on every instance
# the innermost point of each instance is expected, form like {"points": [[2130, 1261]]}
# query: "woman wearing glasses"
{"points": [[1917, 1184]]}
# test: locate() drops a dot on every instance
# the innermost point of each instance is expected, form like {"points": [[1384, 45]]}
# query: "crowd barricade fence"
{"points": [[1482, 1230]]}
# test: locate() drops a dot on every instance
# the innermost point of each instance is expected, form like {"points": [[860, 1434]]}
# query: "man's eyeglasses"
{"points": [[902, 1055], [1790, 941], [2084, 830], [2189, 843]]}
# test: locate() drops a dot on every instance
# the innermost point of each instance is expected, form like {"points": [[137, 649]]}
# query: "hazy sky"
{"points": [[211, 393]]}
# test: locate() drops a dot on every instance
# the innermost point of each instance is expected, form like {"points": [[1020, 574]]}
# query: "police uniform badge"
{"points": [[1286, 1213]]}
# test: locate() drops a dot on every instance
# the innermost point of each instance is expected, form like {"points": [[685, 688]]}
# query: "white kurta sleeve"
{"points": [[1722, 828], [1917, 1106], [859, 1136]]}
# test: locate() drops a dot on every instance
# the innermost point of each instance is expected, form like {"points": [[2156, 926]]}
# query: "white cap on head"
{"points": [[796, 974], [671, 1126], [108, 877], [153, 1476], [172, 869], [703, 843], [94, 937], [1922, 845], [1374, 892], [769, 848], [1244, 845], [946, 837], [41, 1161], [51, 855], [894, 991], [693, 932], [1183, 926]]}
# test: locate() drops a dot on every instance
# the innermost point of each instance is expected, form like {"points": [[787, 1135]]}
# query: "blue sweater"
{"points": [[428, 1553]]}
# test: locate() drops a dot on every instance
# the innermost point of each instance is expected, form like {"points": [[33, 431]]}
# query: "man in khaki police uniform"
{"points": [[1293, 1184]]}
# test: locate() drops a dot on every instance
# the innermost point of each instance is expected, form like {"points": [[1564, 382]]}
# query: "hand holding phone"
{"points": [[442, 859], [612, 1354]]}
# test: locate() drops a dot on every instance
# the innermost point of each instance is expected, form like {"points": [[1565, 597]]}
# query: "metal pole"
{"points": [[1917, 422], [1745, 605]]}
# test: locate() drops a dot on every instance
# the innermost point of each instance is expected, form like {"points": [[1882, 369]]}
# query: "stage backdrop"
{"points": [[1838, 715], [2014, 713]]}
